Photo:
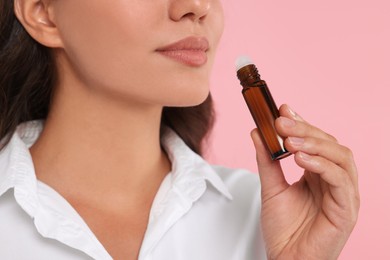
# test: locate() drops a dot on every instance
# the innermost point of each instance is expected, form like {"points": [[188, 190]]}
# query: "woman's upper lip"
{"points": [[189, 43]]}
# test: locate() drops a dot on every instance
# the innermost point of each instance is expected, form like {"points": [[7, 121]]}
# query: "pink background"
{"points": [[330, 61]]}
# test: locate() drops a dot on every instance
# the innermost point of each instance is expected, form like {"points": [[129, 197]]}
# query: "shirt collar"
{"points": [[16, 166], [188, 166]]}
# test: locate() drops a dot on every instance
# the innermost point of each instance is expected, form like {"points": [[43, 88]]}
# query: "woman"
{"points": [[104, 107]]}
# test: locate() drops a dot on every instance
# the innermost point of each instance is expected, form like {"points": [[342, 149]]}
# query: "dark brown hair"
{"points": [[28, 76]]}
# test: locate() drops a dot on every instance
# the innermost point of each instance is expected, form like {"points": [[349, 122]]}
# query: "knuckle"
{"points": [[357, 201], [316, 142], [355, 208], [332, 138], [348, 154]]}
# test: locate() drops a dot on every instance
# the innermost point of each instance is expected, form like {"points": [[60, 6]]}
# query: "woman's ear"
{"points": [[36, 16]]}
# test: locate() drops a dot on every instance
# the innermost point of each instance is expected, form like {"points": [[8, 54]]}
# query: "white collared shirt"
{"points": [[200, 212]]}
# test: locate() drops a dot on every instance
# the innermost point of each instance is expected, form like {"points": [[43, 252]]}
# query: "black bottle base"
{"points": [[280, 155]]}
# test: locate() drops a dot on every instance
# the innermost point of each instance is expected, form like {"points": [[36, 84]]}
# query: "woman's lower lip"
{"points": [[195, 58]]}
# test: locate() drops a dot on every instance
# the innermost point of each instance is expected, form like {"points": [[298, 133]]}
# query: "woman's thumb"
{"points": [[271, 175]]}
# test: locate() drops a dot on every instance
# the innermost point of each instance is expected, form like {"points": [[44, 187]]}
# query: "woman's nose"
{"points": [[195, 10]]}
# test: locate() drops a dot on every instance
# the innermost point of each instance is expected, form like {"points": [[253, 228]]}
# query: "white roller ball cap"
{"points": [[242, 61]]}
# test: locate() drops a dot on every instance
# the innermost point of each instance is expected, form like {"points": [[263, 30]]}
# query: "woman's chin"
{"points": [[190, 99]]}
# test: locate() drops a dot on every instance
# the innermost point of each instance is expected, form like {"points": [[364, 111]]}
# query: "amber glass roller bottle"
{"points": [[262, 107]]}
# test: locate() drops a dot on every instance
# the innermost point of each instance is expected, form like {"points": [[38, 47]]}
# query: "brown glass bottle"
{"points": [[263, 109]]}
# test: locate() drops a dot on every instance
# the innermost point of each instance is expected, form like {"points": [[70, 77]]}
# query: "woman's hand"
{"points": [[312, 218]]}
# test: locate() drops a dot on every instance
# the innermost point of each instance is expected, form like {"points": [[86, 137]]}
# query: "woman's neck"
{"points": [[93, 147]]}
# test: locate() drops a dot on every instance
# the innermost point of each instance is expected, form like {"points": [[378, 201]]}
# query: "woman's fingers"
{"points": [[286, 111], [319, 153], [271, 175], [329, 172], [341, 188], [303, 128], [334, 152], [301, 136], [290, 127]]}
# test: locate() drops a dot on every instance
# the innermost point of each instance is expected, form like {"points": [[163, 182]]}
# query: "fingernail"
{"points": [[287, 121], [296, 141], [294, 114], [304, 156]]}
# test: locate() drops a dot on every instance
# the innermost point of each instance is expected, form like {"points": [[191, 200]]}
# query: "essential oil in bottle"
{"points": [[262, 107]]}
